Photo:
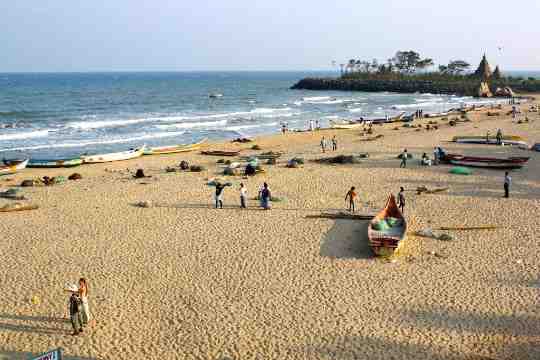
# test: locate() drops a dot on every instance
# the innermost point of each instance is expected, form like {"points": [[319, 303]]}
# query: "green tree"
{"points": [[457, 67]]}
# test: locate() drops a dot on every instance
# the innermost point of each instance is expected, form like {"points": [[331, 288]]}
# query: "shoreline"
{"points": [[182, 279]]}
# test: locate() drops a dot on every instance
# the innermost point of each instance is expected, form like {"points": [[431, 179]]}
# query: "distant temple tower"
{"points": [[484, 70], [497, 73]]}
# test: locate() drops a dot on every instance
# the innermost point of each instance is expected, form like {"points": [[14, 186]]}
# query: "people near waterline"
{"points": [[404, 156], [323, 144], [218, 196], [507, 183], [334, 143], [499, 137], [425, 161], [317, 125], [85, 308], [487, 137], [283, 128], [311, 125], [351, 197], [243, 196], [75, 307], [265, 197], [401, 200]]}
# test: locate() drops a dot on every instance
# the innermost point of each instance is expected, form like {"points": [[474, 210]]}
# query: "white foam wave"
{"points": [[25, 135], [98, 142], [192, 125], [244, 127], [355, 110], [89, 125], [316, 98]]}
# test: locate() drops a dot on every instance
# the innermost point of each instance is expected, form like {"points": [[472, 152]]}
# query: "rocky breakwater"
{"points": [[465, 88]]}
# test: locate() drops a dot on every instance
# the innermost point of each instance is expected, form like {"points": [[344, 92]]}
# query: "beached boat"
{"points": [[491, 140], [388, 229], [13, 168], [487, 162], [536, 147], [221, 152], [345, 125], [55, 163], [118, 156], [173, 149], [385, 119]]}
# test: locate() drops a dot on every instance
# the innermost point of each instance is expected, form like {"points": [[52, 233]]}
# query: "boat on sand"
{"points": [[388, 229], [110, 157], [221, 152], [345, 125], [13, 168], [55, 163], [506, 140], [173, 149], [487, 162]]}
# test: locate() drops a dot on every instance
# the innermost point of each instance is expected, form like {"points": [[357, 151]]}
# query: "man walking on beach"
{"points": [[323, 144], [334, 143], [499, 137], [351, 196], [243, 196], [75, 305], [401, 200], [507, 182], [404, 155], [219, 195]]}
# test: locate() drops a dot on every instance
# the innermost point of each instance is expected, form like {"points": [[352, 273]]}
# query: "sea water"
{"points": [[67, 114]]}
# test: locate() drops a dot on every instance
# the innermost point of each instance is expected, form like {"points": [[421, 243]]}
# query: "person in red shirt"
{"points": [[351, 196]]}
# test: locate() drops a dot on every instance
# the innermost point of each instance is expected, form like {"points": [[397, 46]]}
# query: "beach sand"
{"points": [[182, 280]]}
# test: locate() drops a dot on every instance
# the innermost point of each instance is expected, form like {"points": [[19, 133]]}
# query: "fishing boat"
{"points": [[13, 168], [345, 125], [388, 229], [118, 156], [506, 140], [385, 119], [55, 163], [221, 152], [487, 162], [215, 95], [173, 149], [536, 147]]}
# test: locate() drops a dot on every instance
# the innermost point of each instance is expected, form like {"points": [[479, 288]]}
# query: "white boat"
{"points": [[506, 140], [118, 156], [12, 169], [345, 125], [215, 95]]}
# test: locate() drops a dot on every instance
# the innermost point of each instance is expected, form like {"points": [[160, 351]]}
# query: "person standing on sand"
{"points": [[219, 195], [75, 305], [334, 143], [83, 295], [265, 197], [401, 200], [311, 128], [351, 196], [404, 156], [323, 144], [243, 196], [507, 183], [436, 155], [499, 137], [317, 125]]}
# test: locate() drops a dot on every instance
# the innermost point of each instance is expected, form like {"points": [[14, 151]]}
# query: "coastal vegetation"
{"points": [[409, 72]]}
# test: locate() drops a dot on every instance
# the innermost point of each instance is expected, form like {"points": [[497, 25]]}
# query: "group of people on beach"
{"points": [[264, 196], [324, 144], [79, 309], [352, 195]]}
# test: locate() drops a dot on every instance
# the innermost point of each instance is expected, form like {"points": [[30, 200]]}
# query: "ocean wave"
{"points": [[24, 114], [355, 110], [97, 142], [317, 98], [191, 125], [25, 135], [90, 125], [244, 127]]}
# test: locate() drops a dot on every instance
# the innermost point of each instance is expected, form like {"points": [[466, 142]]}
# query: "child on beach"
{"points": [[265, 197], [334, 143], [243, 196], [401, 200], [404, 156], [351, 195], [323, 144]]}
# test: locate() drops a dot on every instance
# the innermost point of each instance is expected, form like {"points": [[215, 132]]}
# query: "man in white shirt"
{"points": [[243, 196]]}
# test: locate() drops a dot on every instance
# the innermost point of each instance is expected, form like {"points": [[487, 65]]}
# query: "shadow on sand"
{"points": [[24, 355], [347, 239]]}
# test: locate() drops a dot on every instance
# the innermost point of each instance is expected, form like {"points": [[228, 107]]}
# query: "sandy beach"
{"points": [[182, 280]]}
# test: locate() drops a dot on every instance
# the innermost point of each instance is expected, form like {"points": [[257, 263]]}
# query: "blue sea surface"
{"points": [[67, 114]]}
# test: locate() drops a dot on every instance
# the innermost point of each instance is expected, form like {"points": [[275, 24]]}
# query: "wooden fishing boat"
{"points": [[55, 163], [118, 156], [221, 152], [385, 240], [487, 162], [13, 168], [345, 125], [385, 119], [491, 140], [161, 150]]}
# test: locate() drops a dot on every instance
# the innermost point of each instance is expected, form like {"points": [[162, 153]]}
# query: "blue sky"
{"points": [[161, 35]]}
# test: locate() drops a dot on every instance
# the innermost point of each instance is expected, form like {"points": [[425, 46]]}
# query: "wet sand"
{"points": [[183, 280]]}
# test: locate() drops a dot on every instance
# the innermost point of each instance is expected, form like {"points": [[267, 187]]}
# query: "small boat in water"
{"points": [[506, 140], [13, 167], [388, 229], [173, 149], [487, 162], [118, 156], [215, 95], [54, 163]]}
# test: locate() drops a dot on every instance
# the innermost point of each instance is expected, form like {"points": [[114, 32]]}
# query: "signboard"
{"points": [[55, 354]]}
